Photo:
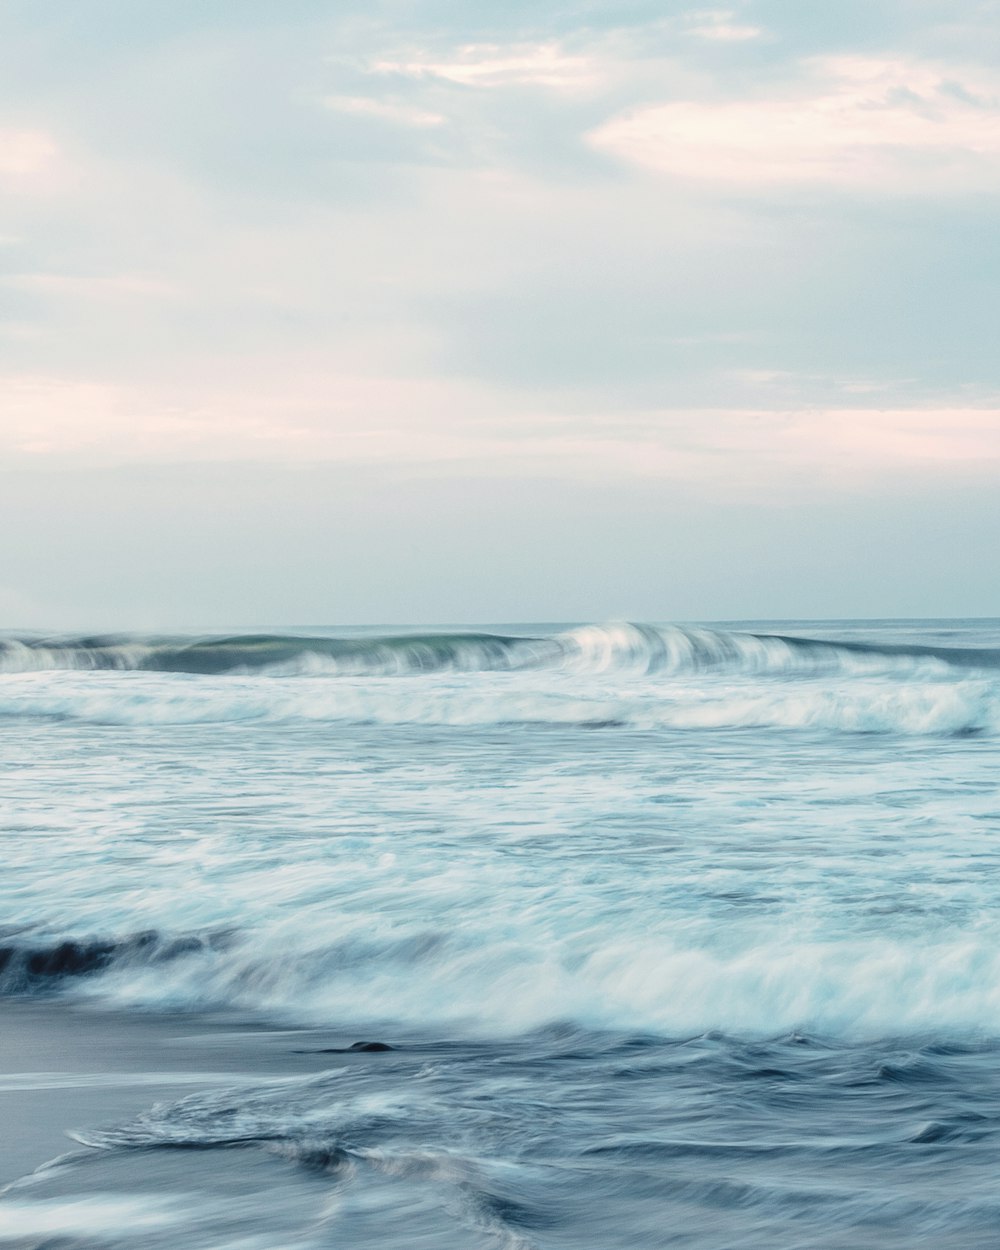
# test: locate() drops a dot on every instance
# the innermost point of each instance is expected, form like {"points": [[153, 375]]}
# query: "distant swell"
{"points": [[590, 648], [262, 652]]}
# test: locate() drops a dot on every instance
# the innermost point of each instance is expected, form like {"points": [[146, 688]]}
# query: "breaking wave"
{"points": [[592, 677], [849, 988], [590, 648], [268, 653], [33, 966]]}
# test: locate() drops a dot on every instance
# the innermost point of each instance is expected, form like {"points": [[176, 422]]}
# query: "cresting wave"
{"points": [[630, 648], [279, 654], [592, 677], [848, 989], [38, 966]]}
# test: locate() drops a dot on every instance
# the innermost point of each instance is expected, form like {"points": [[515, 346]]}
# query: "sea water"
{"points": [[680, 936]]}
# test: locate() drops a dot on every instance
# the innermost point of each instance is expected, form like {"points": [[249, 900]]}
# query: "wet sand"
{"points": [[66, 1067]]}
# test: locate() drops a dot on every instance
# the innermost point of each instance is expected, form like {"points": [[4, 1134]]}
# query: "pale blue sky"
{"points": [[439, 311]]}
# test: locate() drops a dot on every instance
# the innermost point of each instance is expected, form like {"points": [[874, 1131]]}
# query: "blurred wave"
{"points": [[593, 648]]}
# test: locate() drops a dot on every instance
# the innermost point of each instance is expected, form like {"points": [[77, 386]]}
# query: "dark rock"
{"points": [[356, 1049]]}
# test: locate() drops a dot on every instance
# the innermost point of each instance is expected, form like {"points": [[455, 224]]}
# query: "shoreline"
{"points": [[68, 1066]]}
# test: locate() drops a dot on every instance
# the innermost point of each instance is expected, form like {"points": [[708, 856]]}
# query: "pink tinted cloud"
{"points": [[308, 415], [30, 161], [859, 120]]}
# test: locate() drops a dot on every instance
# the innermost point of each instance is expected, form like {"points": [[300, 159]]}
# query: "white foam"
{"points": [[855, 705], [94, 1216], [608, 648], [847, 988], [675, 878]]}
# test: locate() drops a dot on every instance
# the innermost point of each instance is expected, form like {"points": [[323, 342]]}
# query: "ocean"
{"points": [[601, 937]]}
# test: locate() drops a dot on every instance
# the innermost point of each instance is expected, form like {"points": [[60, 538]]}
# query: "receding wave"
{"points": [[628, 647]]}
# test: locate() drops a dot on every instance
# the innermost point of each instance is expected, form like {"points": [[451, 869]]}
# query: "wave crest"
{"points": [[850, 988], [623, 647]]}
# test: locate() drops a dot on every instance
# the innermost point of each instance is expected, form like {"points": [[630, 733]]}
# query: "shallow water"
{"points": [[681, 936]]}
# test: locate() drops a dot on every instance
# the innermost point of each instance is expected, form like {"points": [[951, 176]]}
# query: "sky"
{"points": [[332, 313]]}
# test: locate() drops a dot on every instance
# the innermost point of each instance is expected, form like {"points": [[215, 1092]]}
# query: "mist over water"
{"points": [[687, 928]]}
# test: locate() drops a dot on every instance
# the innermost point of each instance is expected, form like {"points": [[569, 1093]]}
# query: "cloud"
{"points": [[413, 425], [435, 228], [866, 439], [890, 123], [29, 159], [401, 114], [723, 25], [24, 152], [495, 65]]}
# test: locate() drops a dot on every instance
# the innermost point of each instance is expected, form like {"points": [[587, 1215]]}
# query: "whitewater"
{"points": [[677, 934]]}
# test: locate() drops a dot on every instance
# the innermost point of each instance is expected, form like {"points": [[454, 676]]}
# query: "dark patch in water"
{"points": [[368, 1048], [27, 967]]}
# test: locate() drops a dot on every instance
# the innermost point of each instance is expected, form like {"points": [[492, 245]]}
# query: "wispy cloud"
{"points": [[723, 25], [853, 120], [394, 111], [497, 65], [514, 219], [343, 418]]}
